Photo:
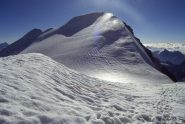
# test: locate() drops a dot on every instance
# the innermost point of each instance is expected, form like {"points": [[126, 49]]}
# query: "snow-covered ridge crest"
{"points": [[34, 89], [101, 22]]}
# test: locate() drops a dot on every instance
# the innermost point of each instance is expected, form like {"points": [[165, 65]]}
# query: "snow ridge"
{"points": [[35, 89]]}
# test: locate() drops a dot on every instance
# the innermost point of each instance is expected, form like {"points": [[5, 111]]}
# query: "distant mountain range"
{"points": [[172, 59]]}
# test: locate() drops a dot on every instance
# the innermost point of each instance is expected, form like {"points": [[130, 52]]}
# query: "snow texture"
{"points": [[99, 45], [34, 89]]}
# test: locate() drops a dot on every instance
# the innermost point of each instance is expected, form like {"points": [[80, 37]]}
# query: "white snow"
{"points": [[34, 89], [104, 49]]}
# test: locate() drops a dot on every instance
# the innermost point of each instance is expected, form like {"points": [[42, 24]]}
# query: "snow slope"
{"points": [[99, 45], [35, 89]]}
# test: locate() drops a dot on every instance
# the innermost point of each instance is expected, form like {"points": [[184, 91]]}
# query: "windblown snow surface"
{"points": [[99, 45], [34, 89]]}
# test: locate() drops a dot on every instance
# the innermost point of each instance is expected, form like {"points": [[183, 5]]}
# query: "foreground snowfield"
{"points": [[34, 89]]}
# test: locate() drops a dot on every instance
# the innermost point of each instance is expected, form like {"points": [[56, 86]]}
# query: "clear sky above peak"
{"points": [[152, 20]]}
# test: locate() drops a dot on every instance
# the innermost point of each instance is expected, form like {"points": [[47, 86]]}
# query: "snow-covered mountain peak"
{"points": [[97, 45], [109, 22], [100, 21]]}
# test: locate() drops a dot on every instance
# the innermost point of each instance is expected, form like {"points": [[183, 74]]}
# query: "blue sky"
{"points": [[152, 20]]}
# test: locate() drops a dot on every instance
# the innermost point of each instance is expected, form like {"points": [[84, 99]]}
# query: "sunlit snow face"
{"points": [[108, 77], [106, 23], [112, 77], [107, 16], [115, 22]]}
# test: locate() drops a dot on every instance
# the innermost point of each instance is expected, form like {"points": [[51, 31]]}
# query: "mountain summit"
{"points": [[98, 44]]}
